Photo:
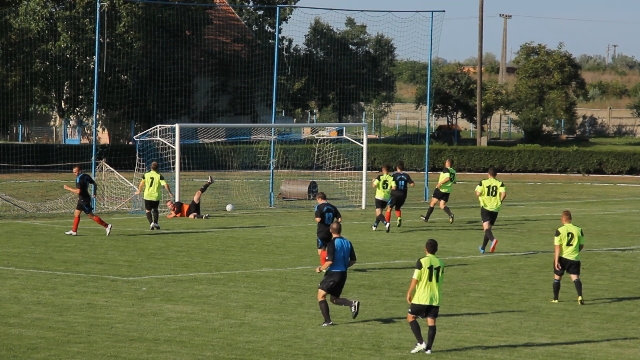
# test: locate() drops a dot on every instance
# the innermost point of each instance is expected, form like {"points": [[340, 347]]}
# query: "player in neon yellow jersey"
{"points": [[443, 189], [568, 242], [383, 184], [491, 192]]}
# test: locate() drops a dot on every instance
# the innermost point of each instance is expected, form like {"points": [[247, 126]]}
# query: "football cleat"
{"points": [[155, 225], [580, 301], [71, 232], [451, 219], [330, 323], [151, 227], [205, 216], [493, 245], [481, 250], [419, 348], [554, 301], [387, 227], [399, 222], [424, 218], [109, 229], [355, 309], [427, 351], [210, 180], [373, 227]]}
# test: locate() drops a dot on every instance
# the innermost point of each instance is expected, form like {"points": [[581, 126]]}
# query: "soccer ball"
{"points": [[230, 207]]}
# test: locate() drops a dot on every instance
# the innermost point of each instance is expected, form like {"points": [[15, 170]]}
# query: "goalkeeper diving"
{"points": [[179, 209]]}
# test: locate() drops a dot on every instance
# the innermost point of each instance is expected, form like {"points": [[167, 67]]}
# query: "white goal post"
{"points": [[260, 165]]}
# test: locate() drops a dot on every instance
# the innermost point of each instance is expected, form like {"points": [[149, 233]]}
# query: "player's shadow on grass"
{"points": [[533, 345], [443, 228], [382, 268], [394, 320], [613, 300]]}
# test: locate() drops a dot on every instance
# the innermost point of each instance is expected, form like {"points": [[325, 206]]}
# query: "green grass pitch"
{"points": [[241, 285]]}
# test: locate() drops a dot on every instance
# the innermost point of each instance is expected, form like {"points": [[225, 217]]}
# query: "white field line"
{"points": [[630, 249]]}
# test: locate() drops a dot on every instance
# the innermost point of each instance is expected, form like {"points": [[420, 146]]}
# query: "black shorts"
{"points": [[84, 205], [570, 266], [151, 204], [333, 282], [324, 238], [488, 216], [381, 204], [397, 201], [424, 311], [194, 208], [442, 196]]}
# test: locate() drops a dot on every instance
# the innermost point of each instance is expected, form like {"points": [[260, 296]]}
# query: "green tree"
{"points": [[340, 70], [635, 107], [453, 91], [495, 97], [548, 84]]}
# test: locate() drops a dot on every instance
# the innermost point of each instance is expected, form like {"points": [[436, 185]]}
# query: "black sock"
{"points": [[155, 215], [149, 217], [446, 209], [489, 234], [485, 241], [324, 309], [578, 285], [343, 302], [380, 219], [431, 336], [199, 216], [415, 328], [204, 187], [429, 211], [556, 289]]}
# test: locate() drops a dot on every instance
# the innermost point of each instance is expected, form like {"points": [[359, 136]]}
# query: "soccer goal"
{"points": [[260, 165]]}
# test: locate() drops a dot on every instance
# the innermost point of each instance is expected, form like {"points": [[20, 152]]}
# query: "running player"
{"points": [[84, 201], [443, 190], [399, 195], [384, 184], [325, 215], [491, 193]]}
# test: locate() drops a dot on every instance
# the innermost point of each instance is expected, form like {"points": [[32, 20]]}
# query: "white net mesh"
{"points": [[306, 159]]}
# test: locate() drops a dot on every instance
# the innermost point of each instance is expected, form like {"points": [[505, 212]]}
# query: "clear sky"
{"points": [[584, 26]]}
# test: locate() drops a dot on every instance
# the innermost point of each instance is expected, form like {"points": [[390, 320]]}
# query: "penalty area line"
{"points": [[630, 249]]}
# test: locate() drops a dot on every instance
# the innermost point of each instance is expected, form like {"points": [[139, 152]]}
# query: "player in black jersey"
{"points": [[399, 195], [325, 214]]}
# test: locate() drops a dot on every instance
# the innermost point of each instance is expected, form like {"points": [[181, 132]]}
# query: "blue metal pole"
{"points": [[428, 113], [20, 132], [273, 110], [96, 64]]}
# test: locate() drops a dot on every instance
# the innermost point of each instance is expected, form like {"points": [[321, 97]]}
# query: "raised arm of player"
{"points": [[75, 191]]}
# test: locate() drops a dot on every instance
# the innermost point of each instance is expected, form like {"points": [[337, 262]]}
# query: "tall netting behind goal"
{"points": [[259, 166]]}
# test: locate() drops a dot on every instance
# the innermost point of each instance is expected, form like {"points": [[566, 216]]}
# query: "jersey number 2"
{"points": [[570, 238]]}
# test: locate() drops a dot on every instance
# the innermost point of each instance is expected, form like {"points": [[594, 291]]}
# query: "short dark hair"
{"points": [[154, 166], [321, 196], [400, 165], [450, 161], [492, 171], [77, 166], [431, 246], [336, 228], [386, 167]]}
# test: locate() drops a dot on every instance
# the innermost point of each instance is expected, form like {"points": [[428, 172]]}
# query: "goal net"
{"points": [[259, 165]]}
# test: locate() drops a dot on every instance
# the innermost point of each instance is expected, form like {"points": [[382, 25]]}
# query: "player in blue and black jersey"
{"points": [[399, 195], [340, 257], [84, 201]]}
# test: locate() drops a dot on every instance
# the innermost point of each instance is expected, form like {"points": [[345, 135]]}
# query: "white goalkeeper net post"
{"points": [[260, 165]]}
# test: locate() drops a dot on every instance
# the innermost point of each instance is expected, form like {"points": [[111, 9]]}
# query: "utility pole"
{"points": [[608, 47], [502, 77], [614, 52], [479, 72]]}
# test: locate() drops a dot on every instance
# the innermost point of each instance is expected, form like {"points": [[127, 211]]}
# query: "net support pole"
{"points": [[273, 111], [176, 191], [428, 114], [94, 134], [364, 162]]}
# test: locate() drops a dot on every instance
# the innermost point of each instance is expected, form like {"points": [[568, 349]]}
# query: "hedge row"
{"points": [[511, 159], [195, 157]]}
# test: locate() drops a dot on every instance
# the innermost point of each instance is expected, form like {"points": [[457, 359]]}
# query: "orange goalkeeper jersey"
{"points": [[181, 210]]}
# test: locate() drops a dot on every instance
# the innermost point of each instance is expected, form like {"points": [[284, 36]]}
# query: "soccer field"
{"points": [[241, 285]]}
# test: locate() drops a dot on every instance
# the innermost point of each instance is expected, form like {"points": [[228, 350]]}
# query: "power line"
{"points": [[574, 19]]}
